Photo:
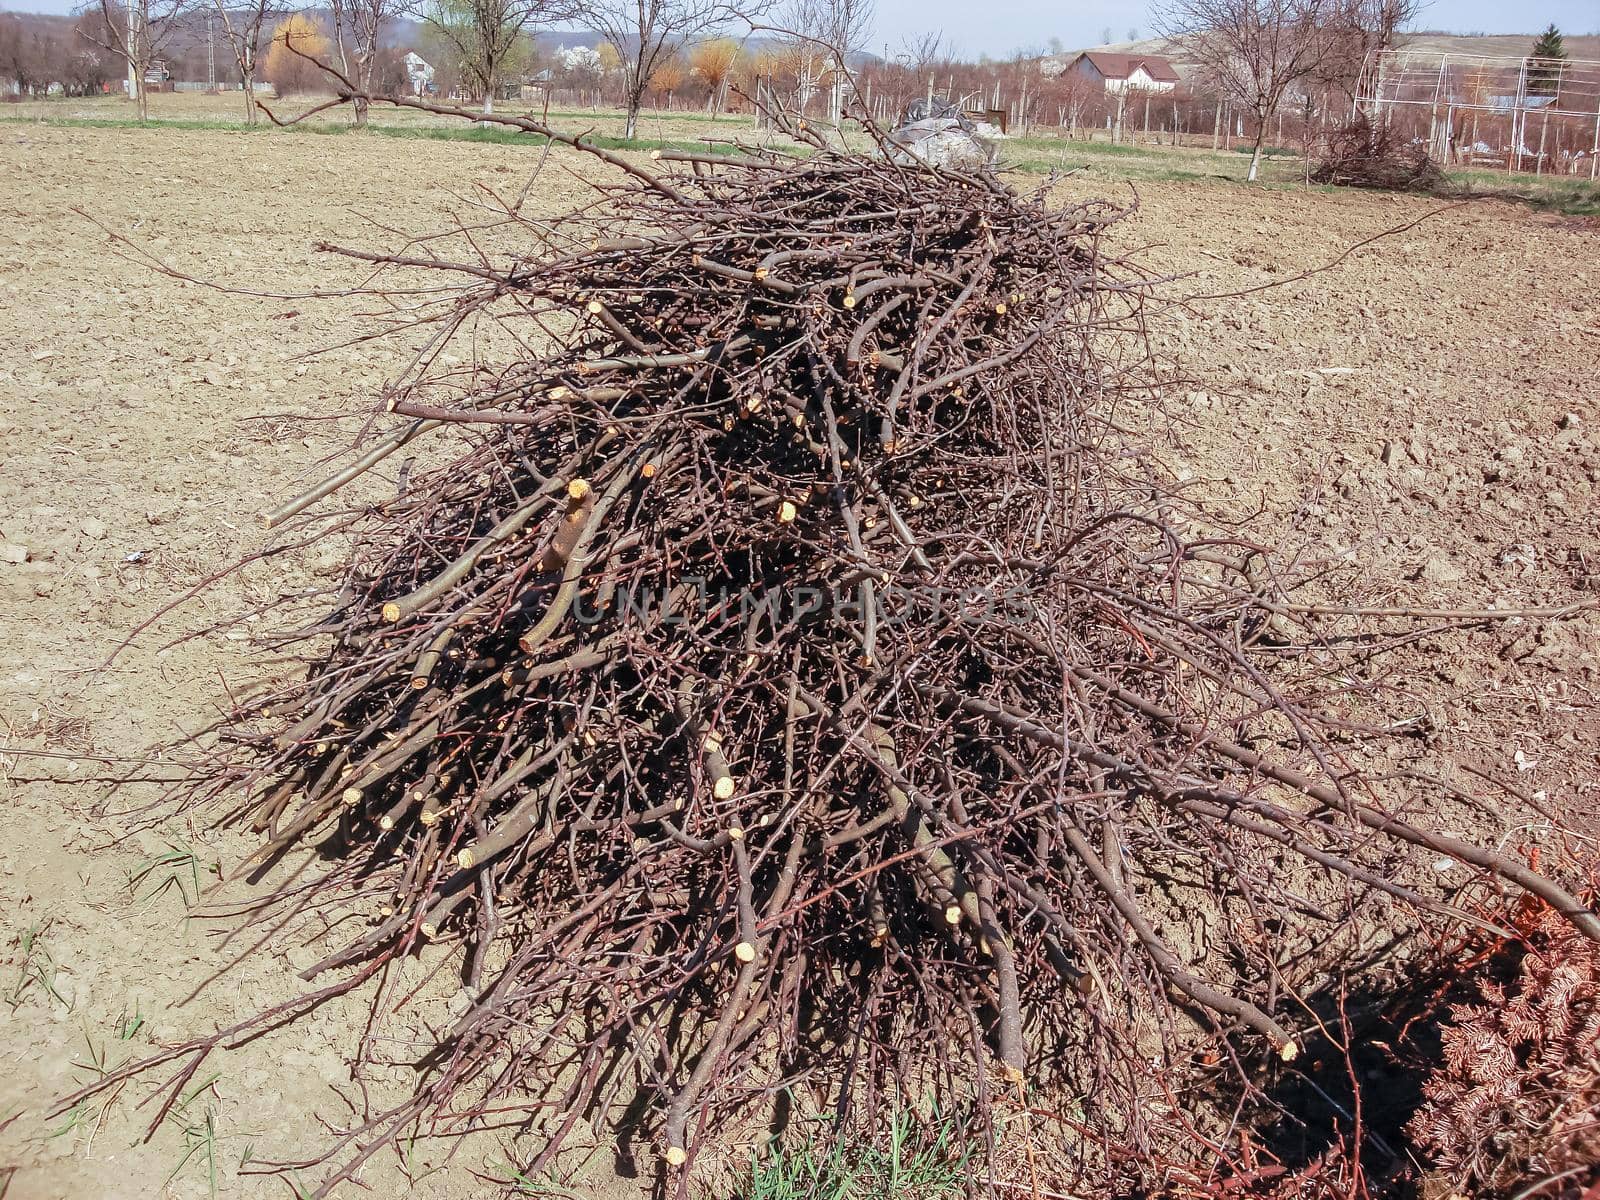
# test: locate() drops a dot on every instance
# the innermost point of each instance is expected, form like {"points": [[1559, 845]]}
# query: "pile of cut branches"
{"points": [[796, 684], [1361, 154]]}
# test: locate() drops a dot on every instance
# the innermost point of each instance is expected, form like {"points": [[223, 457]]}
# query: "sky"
{"points": [[998, 28]]}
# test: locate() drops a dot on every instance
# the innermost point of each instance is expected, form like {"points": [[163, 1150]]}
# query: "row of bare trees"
{"points": [[40, 53], [128, 38], [808, 42], [647, 44], [1248, 61]]}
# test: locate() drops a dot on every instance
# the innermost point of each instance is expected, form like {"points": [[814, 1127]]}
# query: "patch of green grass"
{"points": [[128, 1026], [1573, 197], [500, 135], [36, 967], [646, 116], [125, 1029], [196, 1117], [176, 869], [1037, 154], [122, 123], [1266, 151], [921, 1161], [1136, 169], [75, 1118], [479, 133], [1138, 161], [1092, 149], [519, 1183]]}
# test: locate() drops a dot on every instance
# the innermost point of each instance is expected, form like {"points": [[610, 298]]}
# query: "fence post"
{"points": [[1514, 159]]}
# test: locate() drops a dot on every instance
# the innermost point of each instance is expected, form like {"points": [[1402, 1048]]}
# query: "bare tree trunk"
{"points": [[364, 64], [635, 99], [247, 81], [1255, 154], [138, 53]]}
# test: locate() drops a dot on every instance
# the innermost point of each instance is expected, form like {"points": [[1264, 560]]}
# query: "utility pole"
{"points": [[211, 53]]}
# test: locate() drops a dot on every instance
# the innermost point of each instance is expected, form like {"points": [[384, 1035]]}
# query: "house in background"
{"points": [[419, 72], [536, 86], [1115, 72]]}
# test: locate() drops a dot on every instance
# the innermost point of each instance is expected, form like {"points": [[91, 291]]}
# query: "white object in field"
{"points": [[942, 143]]}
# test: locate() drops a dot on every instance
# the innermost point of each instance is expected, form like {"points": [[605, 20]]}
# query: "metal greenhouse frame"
{"points": [[1538, 114]]}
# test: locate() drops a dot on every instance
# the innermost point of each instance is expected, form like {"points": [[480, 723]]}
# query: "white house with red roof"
{"points": [[1116, 72]]}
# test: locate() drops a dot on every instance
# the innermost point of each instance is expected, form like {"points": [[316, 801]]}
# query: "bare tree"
{"points": [[922, 54], [358, 27], [34, 53], [1255, 50], [646, 33], [484, 35], [135, 31], [1070, 92], [1356, 30], [1381, 21], [16, 61], [840, 28], [794, 66], [923, 51], [242, 25]]}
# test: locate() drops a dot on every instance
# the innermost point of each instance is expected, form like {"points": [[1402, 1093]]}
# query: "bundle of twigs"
{"points": [[795, 684], [1360, 153]]}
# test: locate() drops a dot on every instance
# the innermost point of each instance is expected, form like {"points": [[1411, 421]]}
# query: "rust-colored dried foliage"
{"points": [[1516, 1100]]}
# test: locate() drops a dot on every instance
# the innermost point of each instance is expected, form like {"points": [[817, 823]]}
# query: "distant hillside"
{"points": [[1509, 45], [1585, 46]]}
